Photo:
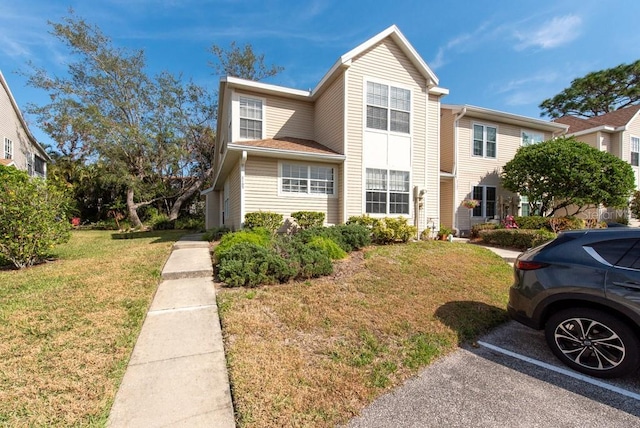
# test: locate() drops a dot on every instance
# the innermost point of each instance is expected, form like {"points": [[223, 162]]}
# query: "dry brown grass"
{"points": [[315, 353], [68, 327]]}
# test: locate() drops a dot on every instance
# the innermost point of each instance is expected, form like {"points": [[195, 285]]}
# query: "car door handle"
{"points": [[632, 285]]}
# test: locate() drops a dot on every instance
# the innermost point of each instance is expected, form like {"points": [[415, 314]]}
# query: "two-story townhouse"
{"points": [[364, 140], [475, 144], [18, 146], [616, 132]]}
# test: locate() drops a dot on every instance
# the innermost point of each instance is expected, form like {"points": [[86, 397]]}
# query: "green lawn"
{"points": [[68, 327]]}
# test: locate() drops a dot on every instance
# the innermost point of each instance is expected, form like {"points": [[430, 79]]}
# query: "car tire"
{"points": [[593, 342]]}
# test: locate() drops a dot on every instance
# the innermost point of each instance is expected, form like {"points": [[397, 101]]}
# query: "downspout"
{"points": [[243, 162], [455, 166]]}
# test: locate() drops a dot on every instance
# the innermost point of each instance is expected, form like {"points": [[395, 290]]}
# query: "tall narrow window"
{"points": [[485, 141], [250, 118], [487, 197], [8, 148], [388, 108], [635, 151], [376, 193]]}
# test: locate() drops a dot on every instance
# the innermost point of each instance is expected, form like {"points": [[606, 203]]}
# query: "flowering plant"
{"points": [[470, 203]]}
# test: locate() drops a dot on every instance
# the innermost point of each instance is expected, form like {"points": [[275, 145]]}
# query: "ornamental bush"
{"points": [[263, 219], [329, 246], [476, 228], [258, 236], [307, 219], [33, 218], [248, 264], [533, 222], [516, 238], [354, 236]]}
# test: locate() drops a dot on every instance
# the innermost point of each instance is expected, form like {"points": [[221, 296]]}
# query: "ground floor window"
{"points": [[387, 191], [486, 195], [307, 179]]}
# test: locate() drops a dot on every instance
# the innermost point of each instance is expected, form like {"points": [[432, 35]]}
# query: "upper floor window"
{"points": [[39, 166], [487, 197], [387, 191], [635, 151], [8, 148], [250, 118], [388, 108], [484, 141], [305, 179], [529, 138]]}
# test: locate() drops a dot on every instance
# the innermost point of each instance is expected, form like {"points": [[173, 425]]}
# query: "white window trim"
{"points": [[8, 154], [389, 83], [235, 115], [484, 199], [364, 191], [308, 194], [484, 140], [530, 131], [631, 137]]}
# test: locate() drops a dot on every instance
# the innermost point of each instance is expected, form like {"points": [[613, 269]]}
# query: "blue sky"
{"points": [[503, 55]]}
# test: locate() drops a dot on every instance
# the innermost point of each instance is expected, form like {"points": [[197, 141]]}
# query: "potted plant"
{"points": [[444, 232], [470, 203]]}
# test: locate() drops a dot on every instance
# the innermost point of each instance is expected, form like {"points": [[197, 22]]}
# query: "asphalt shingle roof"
{"points": [[615, 119]]}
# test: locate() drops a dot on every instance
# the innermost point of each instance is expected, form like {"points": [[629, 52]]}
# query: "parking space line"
{"points": [[560, 370]]}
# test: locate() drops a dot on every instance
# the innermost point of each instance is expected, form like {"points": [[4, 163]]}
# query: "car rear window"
{"points": [[613, 250], [631, 259]]}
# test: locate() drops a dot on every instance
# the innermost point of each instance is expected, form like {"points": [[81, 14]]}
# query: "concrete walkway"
{"points": [[177, 375]]}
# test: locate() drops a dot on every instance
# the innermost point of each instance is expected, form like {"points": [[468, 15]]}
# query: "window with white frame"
{"points": [[8, 148], [529, 137], [635, 151], [484, 140], [487, 197], [388, 108], [387, 191], [250, 118], [307, 179]]}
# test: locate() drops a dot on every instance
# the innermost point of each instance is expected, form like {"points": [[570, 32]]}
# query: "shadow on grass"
{"points": [[470, 319], [160, 235]]}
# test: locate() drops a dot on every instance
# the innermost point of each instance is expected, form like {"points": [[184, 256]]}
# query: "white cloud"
{"points": [[556, 32], [458, 43]]}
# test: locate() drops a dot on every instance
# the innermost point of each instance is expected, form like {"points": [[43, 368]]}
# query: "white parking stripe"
{"points": [[565, 372]]}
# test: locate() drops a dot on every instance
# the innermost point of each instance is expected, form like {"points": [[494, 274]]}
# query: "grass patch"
{"points": [[68, 327], [325, 348]]}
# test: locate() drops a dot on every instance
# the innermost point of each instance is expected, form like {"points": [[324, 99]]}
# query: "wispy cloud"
{"points": [[558, 31], [458, 43]]}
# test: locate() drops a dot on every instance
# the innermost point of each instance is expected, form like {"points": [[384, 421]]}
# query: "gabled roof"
{"points": [[514, 119], [33, 140], [613, 121]]}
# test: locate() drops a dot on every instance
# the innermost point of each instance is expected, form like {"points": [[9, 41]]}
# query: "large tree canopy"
{"points": [[597, 93], [565, 173], [241, 62]]}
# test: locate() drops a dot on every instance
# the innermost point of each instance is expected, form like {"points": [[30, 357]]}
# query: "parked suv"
{"points": [[583, 289]]}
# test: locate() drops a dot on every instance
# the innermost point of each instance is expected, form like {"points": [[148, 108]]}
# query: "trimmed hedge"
{"points": [[263, 219], [516, 238], [386, 230], [477, 228], [307, 219]]}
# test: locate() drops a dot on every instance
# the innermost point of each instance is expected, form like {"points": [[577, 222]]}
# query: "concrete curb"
{"points": [[177, 374]]}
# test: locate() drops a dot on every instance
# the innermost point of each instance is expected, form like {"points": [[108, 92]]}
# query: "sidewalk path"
{"points": [[177, 375]]}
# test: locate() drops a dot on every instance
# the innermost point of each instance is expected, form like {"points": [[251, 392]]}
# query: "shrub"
{"points": [[558, 224], [402, 230], [161, 222], [33, 217], [516, 238], [477, 228], [190, 223], [534, 222], [249, 264], [263, 219], [328, 245], [215, 233], [386, 230], [354, 236], [307, 219], [305, 260], [261, 237], [364, 220]]}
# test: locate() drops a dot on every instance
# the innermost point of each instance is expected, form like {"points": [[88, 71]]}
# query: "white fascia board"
{"points": [[488, 114], [437, 90], [265, 88], [603, 128]]}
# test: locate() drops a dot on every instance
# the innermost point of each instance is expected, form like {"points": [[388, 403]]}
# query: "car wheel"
{"points": [[593, 342]]}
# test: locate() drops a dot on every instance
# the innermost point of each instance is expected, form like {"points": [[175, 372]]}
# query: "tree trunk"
{"points": [[177, 204], [133, 210]]}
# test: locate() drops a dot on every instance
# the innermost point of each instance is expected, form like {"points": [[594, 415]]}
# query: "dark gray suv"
{"points": [[583, 289]]}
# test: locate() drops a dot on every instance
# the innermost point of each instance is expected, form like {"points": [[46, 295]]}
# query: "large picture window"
{"points": [[250, 118], [529, 138], [387, 191], [484, 141], [635, 151], [487, 197], [388, 108], [305, 179]]}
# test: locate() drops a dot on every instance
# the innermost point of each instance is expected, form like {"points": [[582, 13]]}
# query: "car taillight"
{"points": [[530, 265]]}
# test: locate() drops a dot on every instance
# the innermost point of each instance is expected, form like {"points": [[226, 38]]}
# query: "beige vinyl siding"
{"points": [[235, 219], [446, 202], [224, 139], [387, 62], [633, 129], [286, 117], [432, 161], [447, 143], [261, 194], [329, 109], [590, 139]]}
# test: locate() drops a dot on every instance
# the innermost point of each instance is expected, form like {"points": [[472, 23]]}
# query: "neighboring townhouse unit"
{"points": [[364, 140], [475, 144], [18, 146]]}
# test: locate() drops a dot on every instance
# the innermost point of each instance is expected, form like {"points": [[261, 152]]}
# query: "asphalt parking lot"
{"points": [[509, 378]]}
